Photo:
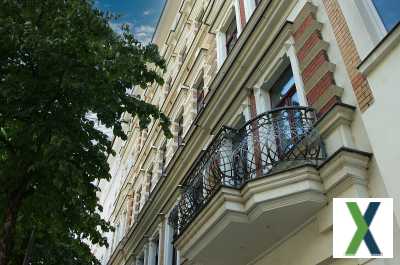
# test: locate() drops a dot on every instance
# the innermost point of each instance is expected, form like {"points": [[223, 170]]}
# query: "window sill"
{"points": [[378, 54]]}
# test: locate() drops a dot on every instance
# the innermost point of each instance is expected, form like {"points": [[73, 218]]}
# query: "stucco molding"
{"points": [[339, 115], [379, 53], [344, 169]]}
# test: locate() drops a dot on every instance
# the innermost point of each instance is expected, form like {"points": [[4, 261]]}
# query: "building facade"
{"points": [[277, 107]]}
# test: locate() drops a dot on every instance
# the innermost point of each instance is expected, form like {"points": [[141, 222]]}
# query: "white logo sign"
{"points": [[363, 228]]}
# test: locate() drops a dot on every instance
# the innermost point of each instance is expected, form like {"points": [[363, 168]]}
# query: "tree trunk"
{"points": [[8, 228]]}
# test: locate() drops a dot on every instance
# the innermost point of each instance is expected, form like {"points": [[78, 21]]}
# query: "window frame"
{"points": [[163, 149], [232, 13], [168, 243], [151, 178], [371, 17], [287, 59], [180, 129], [199, 85], [231, 37]]}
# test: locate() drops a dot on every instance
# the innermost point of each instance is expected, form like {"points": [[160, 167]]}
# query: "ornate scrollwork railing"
{"points": [[273, 141]]}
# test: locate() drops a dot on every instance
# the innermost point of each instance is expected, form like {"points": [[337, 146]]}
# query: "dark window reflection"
{"points": [[231, 36]]}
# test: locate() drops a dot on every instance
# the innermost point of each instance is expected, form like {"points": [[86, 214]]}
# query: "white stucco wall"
{"points": [[382, 121], [309, 246]]}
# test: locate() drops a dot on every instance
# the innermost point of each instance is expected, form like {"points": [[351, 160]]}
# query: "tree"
{"points": [[59, 61]]}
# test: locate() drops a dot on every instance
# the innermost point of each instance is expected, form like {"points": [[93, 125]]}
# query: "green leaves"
{"points": [[60, 60]]}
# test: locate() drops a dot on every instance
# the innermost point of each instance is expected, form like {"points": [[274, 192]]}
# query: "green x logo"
{"points": [[363, 233]]}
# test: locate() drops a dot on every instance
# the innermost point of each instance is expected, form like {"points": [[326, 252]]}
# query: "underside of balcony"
{"points": [[238, 225]]}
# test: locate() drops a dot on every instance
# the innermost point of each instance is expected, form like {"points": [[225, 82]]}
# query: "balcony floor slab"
{"points": [[239, 225]]}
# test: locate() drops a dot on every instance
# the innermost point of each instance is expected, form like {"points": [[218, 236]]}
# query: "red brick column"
{"points": [[255, 135], [350, 55], [242, 13], [316, 69]]}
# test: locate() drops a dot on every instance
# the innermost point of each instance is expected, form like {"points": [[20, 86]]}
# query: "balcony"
{"points": [[277, 148]]}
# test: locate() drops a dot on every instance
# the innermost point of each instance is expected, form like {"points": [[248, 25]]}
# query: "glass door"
{"points": [[286, 120]]}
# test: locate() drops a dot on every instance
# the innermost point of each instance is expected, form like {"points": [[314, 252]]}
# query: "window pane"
{"points": [[231, 35], [389, 11], [295, 100], [283, 89]]}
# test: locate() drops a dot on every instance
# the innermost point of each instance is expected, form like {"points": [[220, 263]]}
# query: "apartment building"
{"points": [[277, 107]]}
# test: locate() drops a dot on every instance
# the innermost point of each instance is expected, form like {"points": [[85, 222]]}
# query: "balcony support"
{"points": [[261, 203]]}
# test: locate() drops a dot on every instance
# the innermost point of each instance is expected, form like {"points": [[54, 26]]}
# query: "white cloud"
{"points": [[143, 33], [147, 12]]}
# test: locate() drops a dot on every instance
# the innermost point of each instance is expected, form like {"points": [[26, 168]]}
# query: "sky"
{"points": [[140, 15]]}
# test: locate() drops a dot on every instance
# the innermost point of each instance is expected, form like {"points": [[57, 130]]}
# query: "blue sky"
{"points": [[141, 15]]}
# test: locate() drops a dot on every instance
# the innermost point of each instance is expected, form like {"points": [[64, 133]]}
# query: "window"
{"points": [[171, 251], [156, 249], [182, 55], [131, 202], [199, 87], [174, 256], [180, 130], [284, 92], [231, 35], [150, 179], [163, 150], [287, 122], [140, 260], [388, 11], [138, 200]]}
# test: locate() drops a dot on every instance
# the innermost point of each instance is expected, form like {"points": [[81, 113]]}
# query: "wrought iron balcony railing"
{"points": [[273, 141]]}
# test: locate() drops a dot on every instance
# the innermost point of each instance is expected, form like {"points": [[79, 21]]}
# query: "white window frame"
{"points": [[152, 249], [262, 94], [168, 247], [233, 10], [249, 7], [236, 4], [372, 20], [364, 23], [294, 63]]}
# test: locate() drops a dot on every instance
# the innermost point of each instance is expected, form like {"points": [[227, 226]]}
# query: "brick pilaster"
{"points": [[316, 69], [350, 55]]}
